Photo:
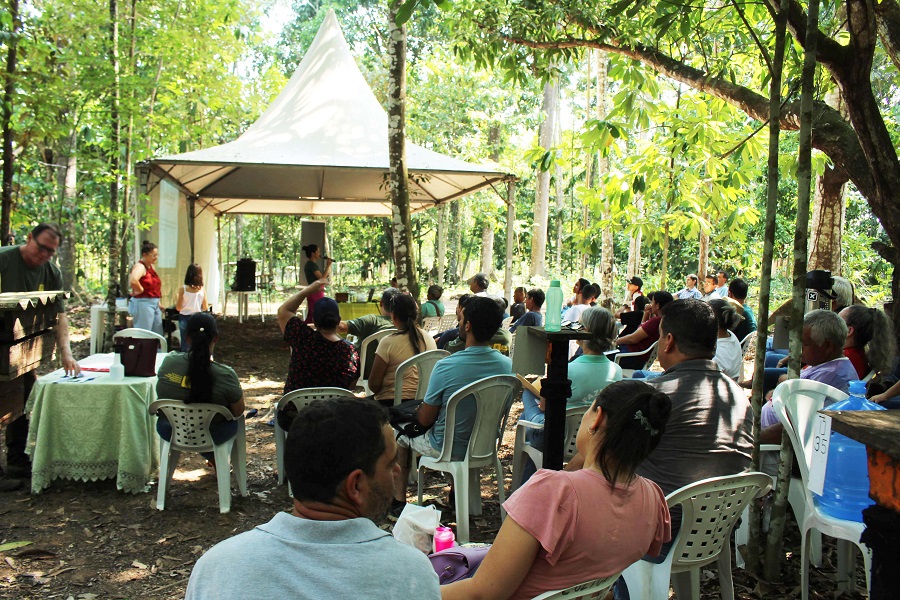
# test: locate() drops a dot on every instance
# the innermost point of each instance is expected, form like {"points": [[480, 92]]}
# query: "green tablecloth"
{"points": [[353, 310], [97, 429]]}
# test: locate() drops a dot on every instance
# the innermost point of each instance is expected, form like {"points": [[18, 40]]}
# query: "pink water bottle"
{"points": [[443, 538]]}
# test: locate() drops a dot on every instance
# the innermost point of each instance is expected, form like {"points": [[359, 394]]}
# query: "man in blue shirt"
{"points": [[481, 319], [534, 300]]}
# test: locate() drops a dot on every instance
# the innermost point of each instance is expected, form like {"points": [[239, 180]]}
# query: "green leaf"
{"points": [[405, 12], [13, 545]]}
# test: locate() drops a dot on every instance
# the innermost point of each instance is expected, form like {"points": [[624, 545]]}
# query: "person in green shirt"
{"points": [[366, 325], [433, 307]]}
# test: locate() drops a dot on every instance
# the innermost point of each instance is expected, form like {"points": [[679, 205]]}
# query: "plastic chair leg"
{"points": [[518, 461], [421, 482], [239, 459], [804, 565], [280, 439], [649, 581], [726, 582], [223, 474], [166, 467], [474, 478], [461, 484], [501, 485], [687, 584]]}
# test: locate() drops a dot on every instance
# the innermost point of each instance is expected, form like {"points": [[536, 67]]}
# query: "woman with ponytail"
{"points": [[408, 341], [870, 344], [193, 377], [567, 527]]}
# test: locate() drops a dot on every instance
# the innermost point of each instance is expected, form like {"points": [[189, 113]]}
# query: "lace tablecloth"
{"points": [[92, 429]]}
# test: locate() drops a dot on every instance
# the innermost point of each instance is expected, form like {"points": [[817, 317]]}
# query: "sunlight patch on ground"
{"points": [[194, 475], [129, 575], [258, 384]]}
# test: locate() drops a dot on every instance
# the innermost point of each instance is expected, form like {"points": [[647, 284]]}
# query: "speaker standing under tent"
{"points": [[245, 276]]}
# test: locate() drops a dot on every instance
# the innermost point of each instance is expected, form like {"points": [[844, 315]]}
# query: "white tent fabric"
{"points": [[321, 148]]}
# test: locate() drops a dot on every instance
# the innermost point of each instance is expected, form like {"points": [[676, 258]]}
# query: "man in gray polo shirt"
{"points": [[328, 546]]}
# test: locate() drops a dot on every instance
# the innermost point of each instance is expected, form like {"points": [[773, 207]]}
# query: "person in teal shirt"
{"points": [[433, 307]]}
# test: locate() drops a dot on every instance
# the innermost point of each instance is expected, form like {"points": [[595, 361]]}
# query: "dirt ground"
{"points": [[89, 540]]}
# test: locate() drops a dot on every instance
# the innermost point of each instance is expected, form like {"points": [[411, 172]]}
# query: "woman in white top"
{"points": [[729, 354], [190, 299]]}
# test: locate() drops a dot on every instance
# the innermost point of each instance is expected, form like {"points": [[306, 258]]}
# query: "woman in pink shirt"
{"points": [[565, 528]]}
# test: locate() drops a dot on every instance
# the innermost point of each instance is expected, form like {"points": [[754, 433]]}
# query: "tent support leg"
{"points": [[510, 235]]}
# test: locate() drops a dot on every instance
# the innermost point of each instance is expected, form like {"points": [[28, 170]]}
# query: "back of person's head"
{"points": [[309, 250], [435, 292], [589, 292], [147, 247], [537, 297], [693, 325], [481, 281], [726, 315], [202, 331], [874, 332], [843, 291], [738, 289], [519, 290], [406, 314], [641, 302], [636, 417], [328, 440], [193, 276], [485, 317], [464, 299], [825, 326], [326, 314], [52, 228], [661, 297], [387, 297], [601, 324]]}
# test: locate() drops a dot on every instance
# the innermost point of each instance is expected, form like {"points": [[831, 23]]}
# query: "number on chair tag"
{"points": [[821, 440]]}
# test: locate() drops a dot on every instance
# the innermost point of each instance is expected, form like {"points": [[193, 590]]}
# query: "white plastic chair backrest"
{"points": [[646, 352], [796, 402], [190, 422], [588, 589], [367, 350], [745, 343], [303, 396], [709, 510], [448, 322], [574, 415], [506, 323], [431, 323], [424, 363], [493, 397], [134, 332]]}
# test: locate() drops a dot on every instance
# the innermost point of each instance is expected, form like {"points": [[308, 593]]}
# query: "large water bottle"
{"points": [[554, 307], [846, 490]]}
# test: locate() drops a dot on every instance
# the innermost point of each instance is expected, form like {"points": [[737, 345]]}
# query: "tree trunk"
{"points": [[589, 174], [455, 250], [607, 248], [68, 185], [442, 244], [487, 249], [634, 245], [828, 221], [113, 159], [398, 185], [703, 258], [239, 237], [542, 196], [9, 89]]}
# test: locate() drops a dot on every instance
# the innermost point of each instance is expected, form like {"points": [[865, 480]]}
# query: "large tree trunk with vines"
{"points": [[9, 89], [542, 196], [113, 163]]}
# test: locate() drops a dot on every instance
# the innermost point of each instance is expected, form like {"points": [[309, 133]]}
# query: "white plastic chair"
{"points": [[493, 397], [368, 347], [710, 508], [506, 323], [431, 325], [299, 399], [746, 343], [649, 355], [424, 363], [521, 449], [447, 322], [594, 588], [796, 402], [190, 433], [134, 332]]}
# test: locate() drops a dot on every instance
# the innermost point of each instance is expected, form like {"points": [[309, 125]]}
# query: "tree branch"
{"points": [[828, 52], [888, 22]]}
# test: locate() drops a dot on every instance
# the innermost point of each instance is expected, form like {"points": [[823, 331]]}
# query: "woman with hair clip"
{"points": [[729, 354], [870, 344], [313, 273], [568, 527], [408, 341], [190, 300], [194, 377], [146, 291]]}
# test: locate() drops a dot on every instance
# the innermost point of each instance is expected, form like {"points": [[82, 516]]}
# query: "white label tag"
{"points": [[819, 444]]}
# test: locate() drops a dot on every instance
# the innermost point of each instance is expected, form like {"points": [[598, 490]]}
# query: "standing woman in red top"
{"points": [[146, 291]]}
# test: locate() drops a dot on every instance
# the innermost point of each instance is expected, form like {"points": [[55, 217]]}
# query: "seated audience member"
{"points": [[824, 335], [588, 294], [729, 355], [518, 306], [481, 320], [709, 288], [328, 546], [576, 293], [500, 341], [445, 337], [433, 307], [193, 377], [647, 333], [408, 341], [870, 343], [843, 293], [534, 300], [890, 398], [737, 290], [689, 291], [722, 284], [634, 292], [366, 325], [478, 284], [564, 528], [632, 319], [589, 373], [319, 357]]}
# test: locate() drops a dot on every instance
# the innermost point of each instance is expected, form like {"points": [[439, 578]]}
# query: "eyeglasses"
{"points": [[45, 249]]}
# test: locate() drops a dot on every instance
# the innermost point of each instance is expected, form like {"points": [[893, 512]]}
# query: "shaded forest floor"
{"points": [[91, 541]]}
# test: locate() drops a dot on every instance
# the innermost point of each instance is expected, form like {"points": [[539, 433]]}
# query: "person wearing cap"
{"points": [[634, 291], [319, 357], [478, 284], [689, 291]]}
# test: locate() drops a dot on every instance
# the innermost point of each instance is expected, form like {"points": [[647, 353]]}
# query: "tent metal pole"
{"points": [[191, 205], [221, 264], [510, 235]]}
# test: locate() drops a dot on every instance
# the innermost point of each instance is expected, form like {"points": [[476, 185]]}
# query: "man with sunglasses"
{"points": [[27, 268]]}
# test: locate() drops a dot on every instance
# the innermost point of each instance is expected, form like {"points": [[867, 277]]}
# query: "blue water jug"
{"points": [[846, 490]]}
